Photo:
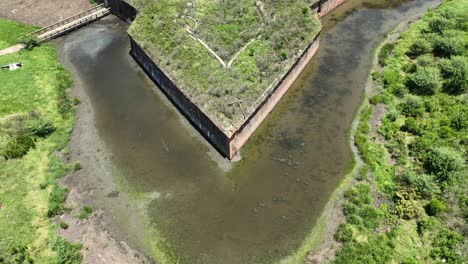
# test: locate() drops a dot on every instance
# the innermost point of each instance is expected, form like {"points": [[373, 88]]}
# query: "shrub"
{"points": [[385, 52], [411, 126], [76, 101], [451, 43], [438, 24], [67, 253], [406, 205], [375, 99], [418, 47], [344, 233], [57, 197], [19, 147], [63, 225], [77, 166], [411, 106], [84, 213], [435, 207], [391, 77], [455, 71], [29, 41], [15, 255], [425, 81], [39, 127], [425, 60], [444, 246], [423, 183], [443, 162]]}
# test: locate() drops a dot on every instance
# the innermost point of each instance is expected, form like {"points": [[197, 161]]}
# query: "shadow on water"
{"points": [[263, 207]]}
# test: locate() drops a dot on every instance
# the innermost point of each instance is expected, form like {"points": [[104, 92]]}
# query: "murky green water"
{"points": [[209, 211]]}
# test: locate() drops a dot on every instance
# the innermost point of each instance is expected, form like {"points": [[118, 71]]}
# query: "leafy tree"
{"points": [[443, 162]]}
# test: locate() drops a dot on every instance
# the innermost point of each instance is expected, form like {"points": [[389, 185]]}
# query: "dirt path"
{"points": [[12, 49], [41, 12]]}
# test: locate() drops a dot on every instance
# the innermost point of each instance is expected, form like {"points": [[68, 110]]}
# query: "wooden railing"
{"points": [[78, 18]]}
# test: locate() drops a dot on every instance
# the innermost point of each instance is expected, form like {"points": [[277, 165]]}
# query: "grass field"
{"points": [[10, 31], [225, 54], [410, 201], [36, 119]]}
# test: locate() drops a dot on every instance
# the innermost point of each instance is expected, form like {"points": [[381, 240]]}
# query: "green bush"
{"points": [[450, 44], [57, 197], [63, 225], [443, 162], [444, 246], [455, 71], [15, 255], [425, 60], [19, 147], [411, 126], [67, 253], [375, 99], [39, 127], [425, 81], [439, 24], [344, 233], [411, 106], [385, 52], [84, 213], [435, 207], [29, 41], [406, 205], [424, 184], [418, 47]]}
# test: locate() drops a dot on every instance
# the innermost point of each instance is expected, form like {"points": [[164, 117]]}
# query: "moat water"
{"points": [[174, 194]]}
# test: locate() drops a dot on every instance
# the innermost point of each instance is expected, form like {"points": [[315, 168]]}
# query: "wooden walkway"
{"points": [[71, 23]]}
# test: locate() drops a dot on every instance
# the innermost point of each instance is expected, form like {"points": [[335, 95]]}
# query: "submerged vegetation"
{"points": [[225, 55], [36, 119], [410, 202]]}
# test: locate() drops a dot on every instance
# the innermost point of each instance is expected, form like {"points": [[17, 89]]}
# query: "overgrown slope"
{"points": [[36, 119], [257, 41], [409, 204]]}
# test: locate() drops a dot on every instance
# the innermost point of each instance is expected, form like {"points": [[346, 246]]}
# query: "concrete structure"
{"points": [[226, 145]]}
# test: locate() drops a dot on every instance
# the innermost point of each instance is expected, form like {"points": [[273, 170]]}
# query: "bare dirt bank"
{"points": [[87, 148]]}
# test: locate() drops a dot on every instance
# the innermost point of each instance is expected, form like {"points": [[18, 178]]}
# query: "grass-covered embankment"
{"points": [[258, 41], [409, 204], [36, 118]]}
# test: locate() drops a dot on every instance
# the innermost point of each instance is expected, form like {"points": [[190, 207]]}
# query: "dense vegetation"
{"points": [[409, 204], [35, 122], [269, 36]]}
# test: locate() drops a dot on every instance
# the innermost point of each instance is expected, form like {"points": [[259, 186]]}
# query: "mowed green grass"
{"points": [[10, 31], [26, 231]]}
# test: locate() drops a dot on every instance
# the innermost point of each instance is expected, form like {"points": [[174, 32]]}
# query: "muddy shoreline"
{"points": [[87, 147]]}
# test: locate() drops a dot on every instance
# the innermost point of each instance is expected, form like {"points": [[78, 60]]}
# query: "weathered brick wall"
{"points": [[326, 6], [198, 119], [242, 135]]}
